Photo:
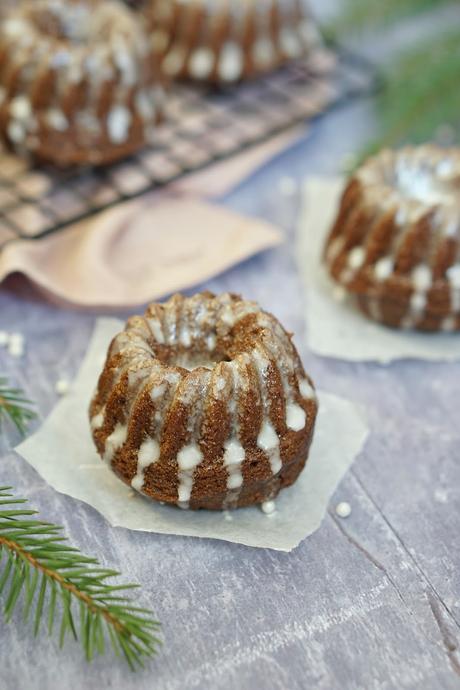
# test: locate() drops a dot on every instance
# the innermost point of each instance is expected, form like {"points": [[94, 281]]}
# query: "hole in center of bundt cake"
{"points": [[423, 185], [192, 359]]}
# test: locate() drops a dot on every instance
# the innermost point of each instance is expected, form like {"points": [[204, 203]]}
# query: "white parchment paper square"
{"points": [[62, 451], [337, 328]]}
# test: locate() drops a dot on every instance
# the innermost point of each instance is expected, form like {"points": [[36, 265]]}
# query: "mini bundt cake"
{"points": [[78, 82], [395, 245], [224, 41], [204, 403]]}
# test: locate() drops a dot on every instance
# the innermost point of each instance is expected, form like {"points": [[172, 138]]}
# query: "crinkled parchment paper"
{"points": [[62, 452]]}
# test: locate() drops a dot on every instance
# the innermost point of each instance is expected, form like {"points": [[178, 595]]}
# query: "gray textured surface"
{"points": [[372, 602]]}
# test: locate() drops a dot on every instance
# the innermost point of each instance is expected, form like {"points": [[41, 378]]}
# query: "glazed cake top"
{"points": [[416, 180]]}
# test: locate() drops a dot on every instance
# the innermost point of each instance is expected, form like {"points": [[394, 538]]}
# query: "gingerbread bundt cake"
{"points": [[224, 41], [78, 83], [395, 245], [204, 403]]}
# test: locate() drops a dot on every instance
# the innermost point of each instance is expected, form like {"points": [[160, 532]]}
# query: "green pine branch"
{"points": [[363, 14], [37, 565], [14, 407], [418, 104], [420, 101], [60, 588]]}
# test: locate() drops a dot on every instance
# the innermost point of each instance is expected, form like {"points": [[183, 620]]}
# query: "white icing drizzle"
{"points": [[118, 124], [98, 420], [21, 108], [136, 375], [201, 62], [170, 327], [452, 228], [335, 248], [420, 185], [453, 276], [417, 303], [188, 459], [422, 278], [295, 416], [157, 331], [269, 442], [233, 458], [15, 28], [383, 268], [211, 342], [234, 452], [115, 441], [158, 391], [57, 120], [306, 390], [356, 258], [228, 316], [149, 453], [445, 168], [185, 337], [231, 62]]}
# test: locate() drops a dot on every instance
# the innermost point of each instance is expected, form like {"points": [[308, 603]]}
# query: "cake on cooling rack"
{"points": [[204, 403], [78, 82], [395, 245], [224, 41]]}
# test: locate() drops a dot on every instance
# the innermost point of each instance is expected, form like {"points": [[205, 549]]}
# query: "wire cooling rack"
{"points": [[201, 127]]}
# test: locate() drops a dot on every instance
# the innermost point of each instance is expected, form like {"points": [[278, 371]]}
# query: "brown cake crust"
{"points": [[224, 41], [204, 403], [395, 244], [79, 84]]}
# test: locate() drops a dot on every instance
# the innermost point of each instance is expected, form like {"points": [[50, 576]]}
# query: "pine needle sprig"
{"points": [[361, 14], [14, 407], [418, 105], [61, 587]]}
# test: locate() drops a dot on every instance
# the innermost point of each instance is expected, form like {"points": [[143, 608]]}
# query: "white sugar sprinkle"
{"points": [[343, 509], [268, 507], [16, 344], [62, 387], [4, 338], [16, 338], [16, 350]]}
